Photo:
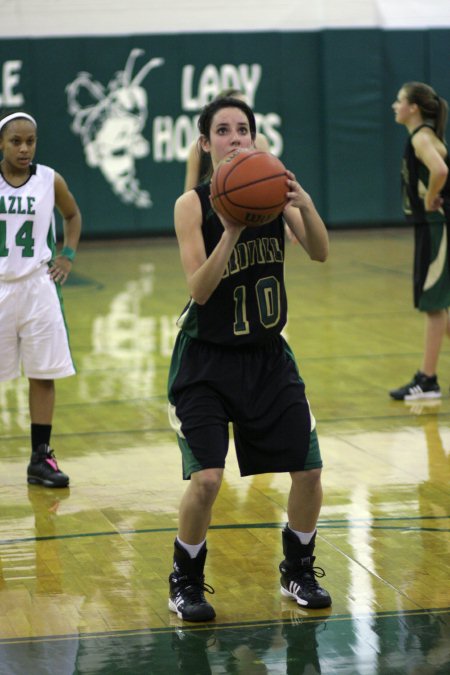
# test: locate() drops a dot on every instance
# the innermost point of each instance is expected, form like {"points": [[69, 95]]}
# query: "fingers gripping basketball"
{"points": [[249, 187]]}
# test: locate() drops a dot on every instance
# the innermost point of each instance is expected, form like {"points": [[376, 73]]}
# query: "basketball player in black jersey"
{"points": [[231, 365], [426, 204]]}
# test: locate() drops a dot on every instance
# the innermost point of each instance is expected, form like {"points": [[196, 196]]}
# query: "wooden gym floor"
{"points": [[83, 571]]}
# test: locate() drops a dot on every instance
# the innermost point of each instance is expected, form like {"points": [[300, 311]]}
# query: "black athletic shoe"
{"points": [[43, 469], [420, 387], [298, 576], [301, 584], [187, 598], [187, 586]]}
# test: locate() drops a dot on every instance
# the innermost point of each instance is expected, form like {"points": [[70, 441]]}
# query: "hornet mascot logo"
{"points": [[110, 126]]}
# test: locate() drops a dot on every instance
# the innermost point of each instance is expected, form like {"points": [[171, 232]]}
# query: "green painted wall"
{"points": [[117, 122]]}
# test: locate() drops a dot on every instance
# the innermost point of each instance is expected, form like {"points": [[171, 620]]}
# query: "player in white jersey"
{"points": [[33, 334]]}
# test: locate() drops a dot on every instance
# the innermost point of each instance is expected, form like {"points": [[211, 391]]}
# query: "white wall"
{"points": [[33, 18]]}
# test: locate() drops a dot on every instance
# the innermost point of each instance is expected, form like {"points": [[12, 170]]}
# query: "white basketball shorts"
{"points": [[33, 333]]}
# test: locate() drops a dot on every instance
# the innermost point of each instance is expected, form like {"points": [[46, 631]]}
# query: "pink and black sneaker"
{"points": [[43, 469]]}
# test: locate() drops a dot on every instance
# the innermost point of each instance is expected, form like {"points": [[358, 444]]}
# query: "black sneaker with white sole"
{"points": [[298, 576], [301, 584], [187, 586], [421, 387]]}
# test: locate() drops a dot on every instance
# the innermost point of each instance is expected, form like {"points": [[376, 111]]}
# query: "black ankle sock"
{"points": [[40, 434]]}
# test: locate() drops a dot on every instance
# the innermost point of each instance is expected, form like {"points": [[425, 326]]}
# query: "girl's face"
{"points": [[403, 108], [18, 145], [229, 130]]}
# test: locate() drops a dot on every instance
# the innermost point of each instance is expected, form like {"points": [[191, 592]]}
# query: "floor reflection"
{"points": [[415, 642]]}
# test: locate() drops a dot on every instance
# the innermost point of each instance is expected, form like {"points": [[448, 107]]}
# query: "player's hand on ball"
{"points": [[227, 224], [296, 195]]}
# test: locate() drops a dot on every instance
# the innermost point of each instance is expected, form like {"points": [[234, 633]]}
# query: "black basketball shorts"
{"points": [[256, 388]]}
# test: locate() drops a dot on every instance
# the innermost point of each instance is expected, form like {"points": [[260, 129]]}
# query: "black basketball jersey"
{"points": [[205, 168], [415, 179], [249, 305]]}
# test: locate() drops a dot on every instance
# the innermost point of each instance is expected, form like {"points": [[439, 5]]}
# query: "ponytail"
{"points": [[433, 108]]}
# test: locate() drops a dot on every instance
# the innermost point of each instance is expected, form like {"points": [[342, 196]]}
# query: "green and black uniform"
{"points": [[431, 281], [231, 364]]}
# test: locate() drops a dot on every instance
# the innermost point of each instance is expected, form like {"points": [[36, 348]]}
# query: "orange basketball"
{"points": [[249, 187]]}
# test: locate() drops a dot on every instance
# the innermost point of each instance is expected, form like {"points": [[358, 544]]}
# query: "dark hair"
{"points": [[7, 113], [225, 99], [433, 108], [230, 93], [208, 112]]}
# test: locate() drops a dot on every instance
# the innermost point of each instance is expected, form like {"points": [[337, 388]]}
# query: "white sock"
{"points": [[305, 537], [192, 549]]}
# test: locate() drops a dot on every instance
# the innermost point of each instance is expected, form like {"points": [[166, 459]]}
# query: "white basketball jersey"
{"points": [[27, 231]]}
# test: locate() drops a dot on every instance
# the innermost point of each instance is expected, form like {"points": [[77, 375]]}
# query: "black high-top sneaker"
{"points": [[43, 469], [187, 586], [298, 576], [421, 387]]}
